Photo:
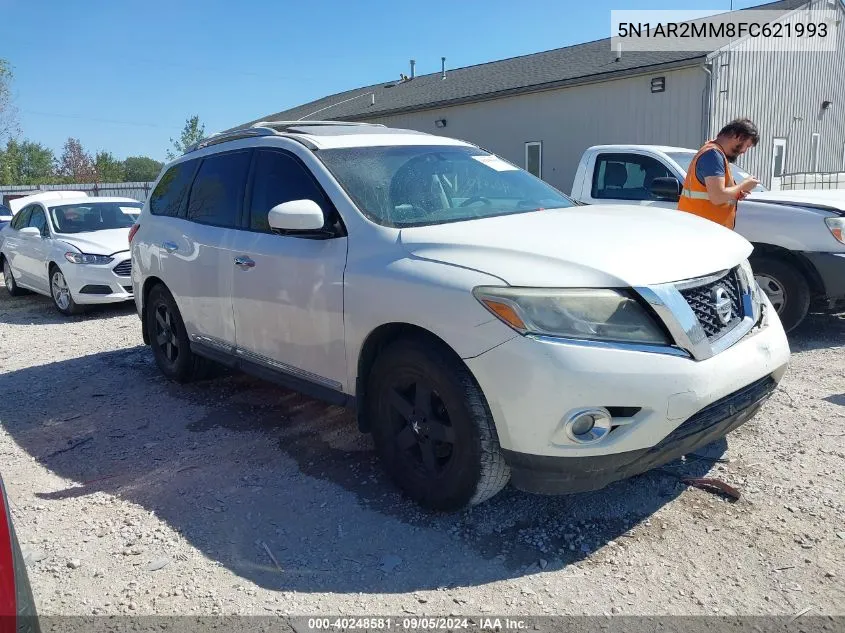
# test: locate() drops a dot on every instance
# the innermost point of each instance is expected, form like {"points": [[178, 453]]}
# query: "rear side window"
{"points": [[280, 178], [218, 191], [21, 218], [626, 176], [169, 196]]}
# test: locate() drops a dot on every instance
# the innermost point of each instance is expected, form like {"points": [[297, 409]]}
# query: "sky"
{"points": [[123, 76]]}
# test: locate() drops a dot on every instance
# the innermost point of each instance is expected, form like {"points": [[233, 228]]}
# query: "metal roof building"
{"points": [[542, 110]]}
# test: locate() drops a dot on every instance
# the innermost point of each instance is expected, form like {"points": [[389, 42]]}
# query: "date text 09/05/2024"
{"points": [[685, 30], [414, 624]]}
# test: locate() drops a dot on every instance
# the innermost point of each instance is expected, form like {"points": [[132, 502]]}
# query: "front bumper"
{"points": [[93, 284], [533, 385]]}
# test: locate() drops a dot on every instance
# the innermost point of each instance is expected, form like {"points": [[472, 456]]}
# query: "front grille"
{"points": [[123, 269], [702, 299]]}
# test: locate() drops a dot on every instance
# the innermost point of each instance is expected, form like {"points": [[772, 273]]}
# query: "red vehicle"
{"points": [[17, 607]]}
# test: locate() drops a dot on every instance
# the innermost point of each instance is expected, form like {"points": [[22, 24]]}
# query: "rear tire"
{"points": [[8, 278], [169, 338], [432, 427], [786, 287]]}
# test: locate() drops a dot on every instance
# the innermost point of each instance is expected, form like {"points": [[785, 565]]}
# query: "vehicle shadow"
{"points": [[235, 464], [818, 331]]}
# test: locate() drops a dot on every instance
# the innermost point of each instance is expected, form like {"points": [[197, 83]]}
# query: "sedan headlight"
{"points": [[837, 227], [593, 314], [85, 258]]}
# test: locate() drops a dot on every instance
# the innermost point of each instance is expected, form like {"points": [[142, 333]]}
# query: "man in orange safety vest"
{"points": [[709, 188]]}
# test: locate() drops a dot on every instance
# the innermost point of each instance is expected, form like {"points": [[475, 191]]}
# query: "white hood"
{"points": [[829, 198], [105, 242], [589, 246]]}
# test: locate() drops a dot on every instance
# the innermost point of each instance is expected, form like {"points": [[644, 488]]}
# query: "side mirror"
{"points": [[296, 215], [666, 188], [30, 231]]}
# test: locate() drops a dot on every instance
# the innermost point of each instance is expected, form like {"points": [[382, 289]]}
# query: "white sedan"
{"points": [[75, 250]]}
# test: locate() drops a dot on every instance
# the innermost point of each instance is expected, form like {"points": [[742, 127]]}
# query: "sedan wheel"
{"points": [[61, 293]]}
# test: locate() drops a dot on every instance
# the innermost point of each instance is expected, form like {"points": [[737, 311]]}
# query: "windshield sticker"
{"points": [[130, 210], [494, 162]]}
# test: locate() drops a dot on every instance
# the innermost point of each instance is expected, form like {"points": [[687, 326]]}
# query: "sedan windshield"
{"points": [[418, 185], [685, 158], [94, 216]]}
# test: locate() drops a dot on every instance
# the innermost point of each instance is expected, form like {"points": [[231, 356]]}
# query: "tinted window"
{"points": [[280, 178], [4, 210], [38, 220], [218, 191], [626, 176], [169, 196], [21, 218]]}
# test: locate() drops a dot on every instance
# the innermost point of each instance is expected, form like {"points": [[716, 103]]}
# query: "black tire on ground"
{"points": [[9, 280], [432, 427], [786, 287], [169, 338], [60, 293]]}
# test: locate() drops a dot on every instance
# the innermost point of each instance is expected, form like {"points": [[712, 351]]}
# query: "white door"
{"points": [[14, 242], [778, 162], [195, 251], [625, 178], [36, 251], [288, 289]]}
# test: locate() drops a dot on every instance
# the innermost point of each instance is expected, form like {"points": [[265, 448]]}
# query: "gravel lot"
{"points": [[233, 496]]}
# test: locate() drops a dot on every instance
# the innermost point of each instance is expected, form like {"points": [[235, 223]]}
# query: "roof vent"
{"points": [[443, 68], [619, 51], [413, 68]]}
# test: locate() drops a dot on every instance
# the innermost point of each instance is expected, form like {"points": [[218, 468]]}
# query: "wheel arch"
{"points": [[379, 339], [793, 258]]}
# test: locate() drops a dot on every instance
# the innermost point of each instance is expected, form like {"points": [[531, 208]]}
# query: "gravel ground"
{"points": [[133, 495]]}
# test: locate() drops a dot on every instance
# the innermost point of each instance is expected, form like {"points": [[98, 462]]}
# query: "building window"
{"points": [[814, 153], [843, 158], [778, 157], [534, 158]]}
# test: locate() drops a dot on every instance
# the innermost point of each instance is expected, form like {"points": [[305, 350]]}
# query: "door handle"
{"points": [[244, 263], [170, 247]]}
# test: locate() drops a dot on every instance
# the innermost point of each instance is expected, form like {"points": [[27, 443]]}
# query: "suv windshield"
{"points": [[685, 158], [94, 216], [404, 186]]}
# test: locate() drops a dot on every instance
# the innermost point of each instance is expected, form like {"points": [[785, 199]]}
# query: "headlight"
{"points": [[837, 227], [85, 258], [595, 314]]}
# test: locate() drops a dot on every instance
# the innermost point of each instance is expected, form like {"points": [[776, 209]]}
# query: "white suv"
{"points": [[486, 327]]}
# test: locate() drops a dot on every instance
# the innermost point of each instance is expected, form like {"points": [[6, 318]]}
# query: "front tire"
{"points": [[169, 338], [60, 292], [786, 288], [432, 427], [9, 280]]}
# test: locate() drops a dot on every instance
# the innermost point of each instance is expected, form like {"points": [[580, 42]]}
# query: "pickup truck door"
{"points": [[624, 178]]}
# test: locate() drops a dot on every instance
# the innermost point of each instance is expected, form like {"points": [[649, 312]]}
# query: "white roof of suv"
{"points": [[332, 134]]}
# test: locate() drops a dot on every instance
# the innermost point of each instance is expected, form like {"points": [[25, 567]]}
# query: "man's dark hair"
{"points": [[742, 129]]}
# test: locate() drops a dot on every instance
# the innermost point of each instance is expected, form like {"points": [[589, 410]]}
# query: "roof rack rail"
{"points": [[233, 135], [284, 125]]}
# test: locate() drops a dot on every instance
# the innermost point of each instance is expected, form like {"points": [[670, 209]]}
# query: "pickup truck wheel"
{"points": [[169, 338], [786, 288], [432, 427]]}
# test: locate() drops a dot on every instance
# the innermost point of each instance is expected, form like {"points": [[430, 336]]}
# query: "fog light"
{"points": [[588, 426]]}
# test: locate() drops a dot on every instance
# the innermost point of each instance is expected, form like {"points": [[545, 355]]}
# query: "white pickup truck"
{"points": [[798, 236]]}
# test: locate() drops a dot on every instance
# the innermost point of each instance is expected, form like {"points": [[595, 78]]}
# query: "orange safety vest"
{"points": [[694, 198]]}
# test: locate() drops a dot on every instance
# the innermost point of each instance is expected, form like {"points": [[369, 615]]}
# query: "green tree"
{"points": [[141, 169], [191, 133], [108, 168], [27, 163], [75, 165], [8, 112]]}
